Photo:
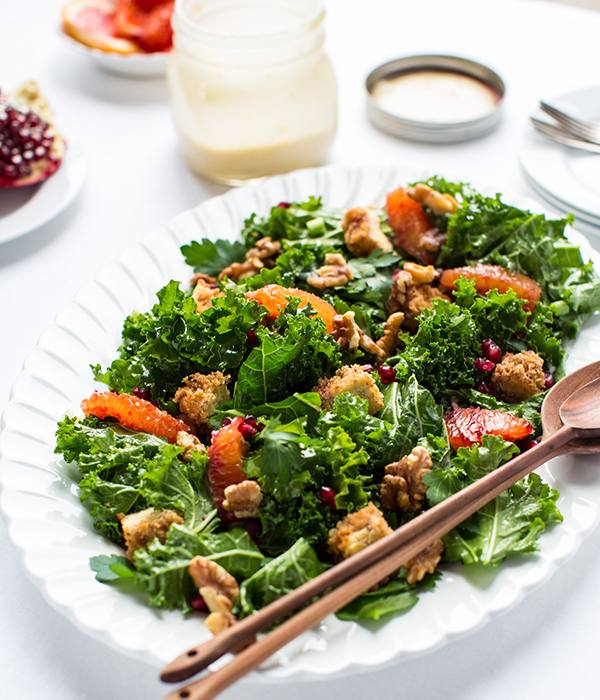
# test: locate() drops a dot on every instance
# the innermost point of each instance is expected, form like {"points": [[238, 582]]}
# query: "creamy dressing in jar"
{"points": [[435, 96], [252, 92]]}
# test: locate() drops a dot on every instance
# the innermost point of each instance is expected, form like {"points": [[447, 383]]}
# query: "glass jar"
{"points": [[251, 89]]}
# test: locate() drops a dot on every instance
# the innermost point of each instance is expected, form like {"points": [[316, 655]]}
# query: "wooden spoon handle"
{"points": [[400, 546]]}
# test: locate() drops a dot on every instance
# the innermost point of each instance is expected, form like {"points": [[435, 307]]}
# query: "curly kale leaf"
{"points": [[397, 596], [210, 257], [173, 340], [280, 576], [162, 570], [510, 524], [490, 231], [442, 353], [291, 361]]}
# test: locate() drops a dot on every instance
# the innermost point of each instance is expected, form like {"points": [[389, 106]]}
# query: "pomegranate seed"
{"points": [[252, 527], [483, 365], [491, 351], [484, 388], [548, 380], [250, 419], [368, 368], [284, 205], [519, 336], [327, 496], [395, 274], [248, 430], [225, 421], [260, 427], [386, 374], [145, 394], [198, 604], [526, 444], [251, 337]]}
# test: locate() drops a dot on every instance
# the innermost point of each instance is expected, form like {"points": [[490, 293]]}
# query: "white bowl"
{"points": [[133, 65]]}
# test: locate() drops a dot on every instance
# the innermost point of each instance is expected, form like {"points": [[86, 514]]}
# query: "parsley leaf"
{"points": [[210, 257]]}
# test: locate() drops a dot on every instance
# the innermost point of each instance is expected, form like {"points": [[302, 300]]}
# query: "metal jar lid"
{"points": [[435, 131]]}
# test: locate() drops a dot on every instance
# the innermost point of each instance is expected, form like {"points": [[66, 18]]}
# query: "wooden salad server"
{"points": [[571, 424]]}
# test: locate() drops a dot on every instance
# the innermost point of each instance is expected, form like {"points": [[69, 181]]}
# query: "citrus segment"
{"points": [[466, 426], [410, 223], [274, 298], [92, 22], [489, 277], [225, 463], [134, 413]]}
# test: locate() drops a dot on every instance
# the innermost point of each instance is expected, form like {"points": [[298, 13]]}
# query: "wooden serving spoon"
{"points": [[571, 424]]}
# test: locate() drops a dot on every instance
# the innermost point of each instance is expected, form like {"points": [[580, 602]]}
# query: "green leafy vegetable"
{"points": [[111, 568], [210, 257]]}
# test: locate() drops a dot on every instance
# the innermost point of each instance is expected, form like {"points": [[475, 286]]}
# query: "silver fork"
{"points": [[589, 131], [560, 135]]}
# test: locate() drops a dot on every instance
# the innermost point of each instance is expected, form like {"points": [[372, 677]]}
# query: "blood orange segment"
{"points": [[495, 277], [225, 463], [134, 413], [274, 298], [92, 22], [410, 223], [466, 426]]}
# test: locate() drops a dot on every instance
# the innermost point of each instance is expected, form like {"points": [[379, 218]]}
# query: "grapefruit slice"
{"points": [[92, 23]]}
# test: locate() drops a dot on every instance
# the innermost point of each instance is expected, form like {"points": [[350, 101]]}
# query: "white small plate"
{"points": [[568, 175], [24, 209], [133, 65]]}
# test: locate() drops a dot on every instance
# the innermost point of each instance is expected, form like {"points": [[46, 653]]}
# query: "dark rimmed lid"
{"points": [[435, 99]]}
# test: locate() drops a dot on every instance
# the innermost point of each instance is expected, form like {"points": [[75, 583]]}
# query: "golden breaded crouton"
{"points": [[363, 234], [354, 380], [139, 529], [518, 377], [201, 395], [357, 531]]}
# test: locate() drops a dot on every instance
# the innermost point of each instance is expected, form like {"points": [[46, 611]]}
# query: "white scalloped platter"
{"points": [[54, 532]]}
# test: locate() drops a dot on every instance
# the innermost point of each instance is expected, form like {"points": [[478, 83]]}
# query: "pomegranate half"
{"points": [[31, 149]]}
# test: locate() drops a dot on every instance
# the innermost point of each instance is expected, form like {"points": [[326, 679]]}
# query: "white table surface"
{"points": [[549, 645]]}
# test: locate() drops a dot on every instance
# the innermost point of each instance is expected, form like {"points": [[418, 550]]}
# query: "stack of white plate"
{"points": [[567, 178]]}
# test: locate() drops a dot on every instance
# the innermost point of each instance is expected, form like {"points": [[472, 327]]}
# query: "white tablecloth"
{"points": [[546, 647]]}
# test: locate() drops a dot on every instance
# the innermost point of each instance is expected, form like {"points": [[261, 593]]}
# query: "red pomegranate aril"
{"points": [[284, 205], [368, 368], [327, 496], [226, 421], [251, 337], [526, 444], [252, 527], [491, 351], [197, 603], [386, 374], [395, 274], [248, 429], [548, 380], [483, 365], [144, 394], [484, 388]]}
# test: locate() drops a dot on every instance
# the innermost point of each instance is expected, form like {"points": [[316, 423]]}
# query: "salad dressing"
{"points": [[252, 92]]}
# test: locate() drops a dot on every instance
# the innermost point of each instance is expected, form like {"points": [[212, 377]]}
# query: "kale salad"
{"points": [[322, 381]]}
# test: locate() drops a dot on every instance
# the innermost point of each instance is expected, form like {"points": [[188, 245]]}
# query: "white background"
{"points": [[549, 645]]}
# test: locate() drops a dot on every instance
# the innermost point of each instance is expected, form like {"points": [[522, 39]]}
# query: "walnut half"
{"points": [[424, 562], [402, 487], [437, 202], [264, 254], [219, 590], [335, 273], [243, 499]]}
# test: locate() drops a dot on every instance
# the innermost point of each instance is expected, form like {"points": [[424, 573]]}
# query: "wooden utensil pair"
{"points": [[571, 425]]}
